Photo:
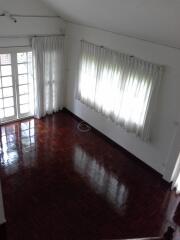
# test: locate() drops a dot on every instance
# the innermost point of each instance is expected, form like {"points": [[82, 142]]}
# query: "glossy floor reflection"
{"points": [[16, 140], [102, 182], [59, 183]]}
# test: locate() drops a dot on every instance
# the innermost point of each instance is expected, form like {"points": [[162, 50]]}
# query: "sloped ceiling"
{"points": [[26, 7], [152, 20]]}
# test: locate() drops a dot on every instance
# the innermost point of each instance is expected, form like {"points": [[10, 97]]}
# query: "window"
{"points": [[25, 83], [119, 86], [16, 84], [7, 100]]}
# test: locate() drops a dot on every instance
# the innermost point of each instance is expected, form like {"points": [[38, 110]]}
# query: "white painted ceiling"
{"points": [[25, 7], [153, 20]]}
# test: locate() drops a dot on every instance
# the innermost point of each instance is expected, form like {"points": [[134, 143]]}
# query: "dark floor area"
{"points": [[59, 183]]}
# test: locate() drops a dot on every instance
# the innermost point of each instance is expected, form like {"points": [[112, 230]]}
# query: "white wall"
{"points": [[29, 25], [156, 153]]}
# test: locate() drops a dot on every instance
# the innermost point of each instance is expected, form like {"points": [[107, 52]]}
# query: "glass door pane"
{"points": [[7, 94], [25, 84]]}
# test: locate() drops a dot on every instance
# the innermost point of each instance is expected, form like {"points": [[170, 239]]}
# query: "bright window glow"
{"points": [[8, 102], [9, 112], [25, 82], [117, 86], [108, 97], [6, 70], [16, 85], [24, 108], [7, 109], [23, 79], [176, 175], [6, 81]]}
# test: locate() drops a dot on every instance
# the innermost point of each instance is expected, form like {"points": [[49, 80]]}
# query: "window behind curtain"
{"points": [[118, 86]]}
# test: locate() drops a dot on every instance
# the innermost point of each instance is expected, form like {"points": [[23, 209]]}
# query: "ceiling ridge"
{"points": [[123, 34]]}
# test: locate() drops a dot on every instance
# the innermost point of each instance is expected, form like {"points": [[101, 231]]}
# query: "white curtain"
{"points": [[176, 176], [119, 86], [48, 54]]}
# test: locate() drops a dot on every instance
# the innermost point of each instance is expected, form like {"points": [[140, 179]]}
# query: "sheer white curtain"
{"points": [[119, 86], [48, 54], [176, 176]]}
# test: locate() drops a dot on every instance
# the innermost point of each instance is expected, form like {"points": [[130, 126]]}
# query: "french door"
{"points": [[16, 84]]}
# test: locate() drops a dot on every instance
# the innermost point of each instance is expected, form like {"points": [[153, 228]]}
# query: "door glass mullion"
{"points": [[1, 99], [24, 59], [14, 77]]}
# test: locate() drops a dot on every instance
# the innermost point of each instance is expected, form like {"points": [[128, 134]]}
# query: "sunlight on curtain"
{"points": [[118, 86], [176, 176]]}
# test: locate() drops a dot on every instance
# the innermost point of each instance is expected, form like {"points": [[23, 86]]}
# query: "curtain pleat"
{"points": [[119, 86], [176, 176], [48, 61]]}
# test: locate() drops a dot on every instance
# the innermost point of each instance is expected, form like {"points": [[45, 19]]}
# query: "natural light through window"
{"points": [[118, 86], [25, 82], [7, 107], [16, 85]]}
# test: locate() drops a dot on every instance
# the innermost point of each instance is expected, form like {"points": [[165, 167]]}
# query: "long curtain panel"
{"points": [[176, 176], [119, 86], [48, 59]]}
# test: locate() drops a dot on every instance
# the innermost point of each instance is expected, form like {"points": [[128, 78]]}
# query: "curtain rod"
{"points": [[30, 16], [49, 35], [30, 36], [128, 55], [35, 16], [23, 46], [14, 17]]}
